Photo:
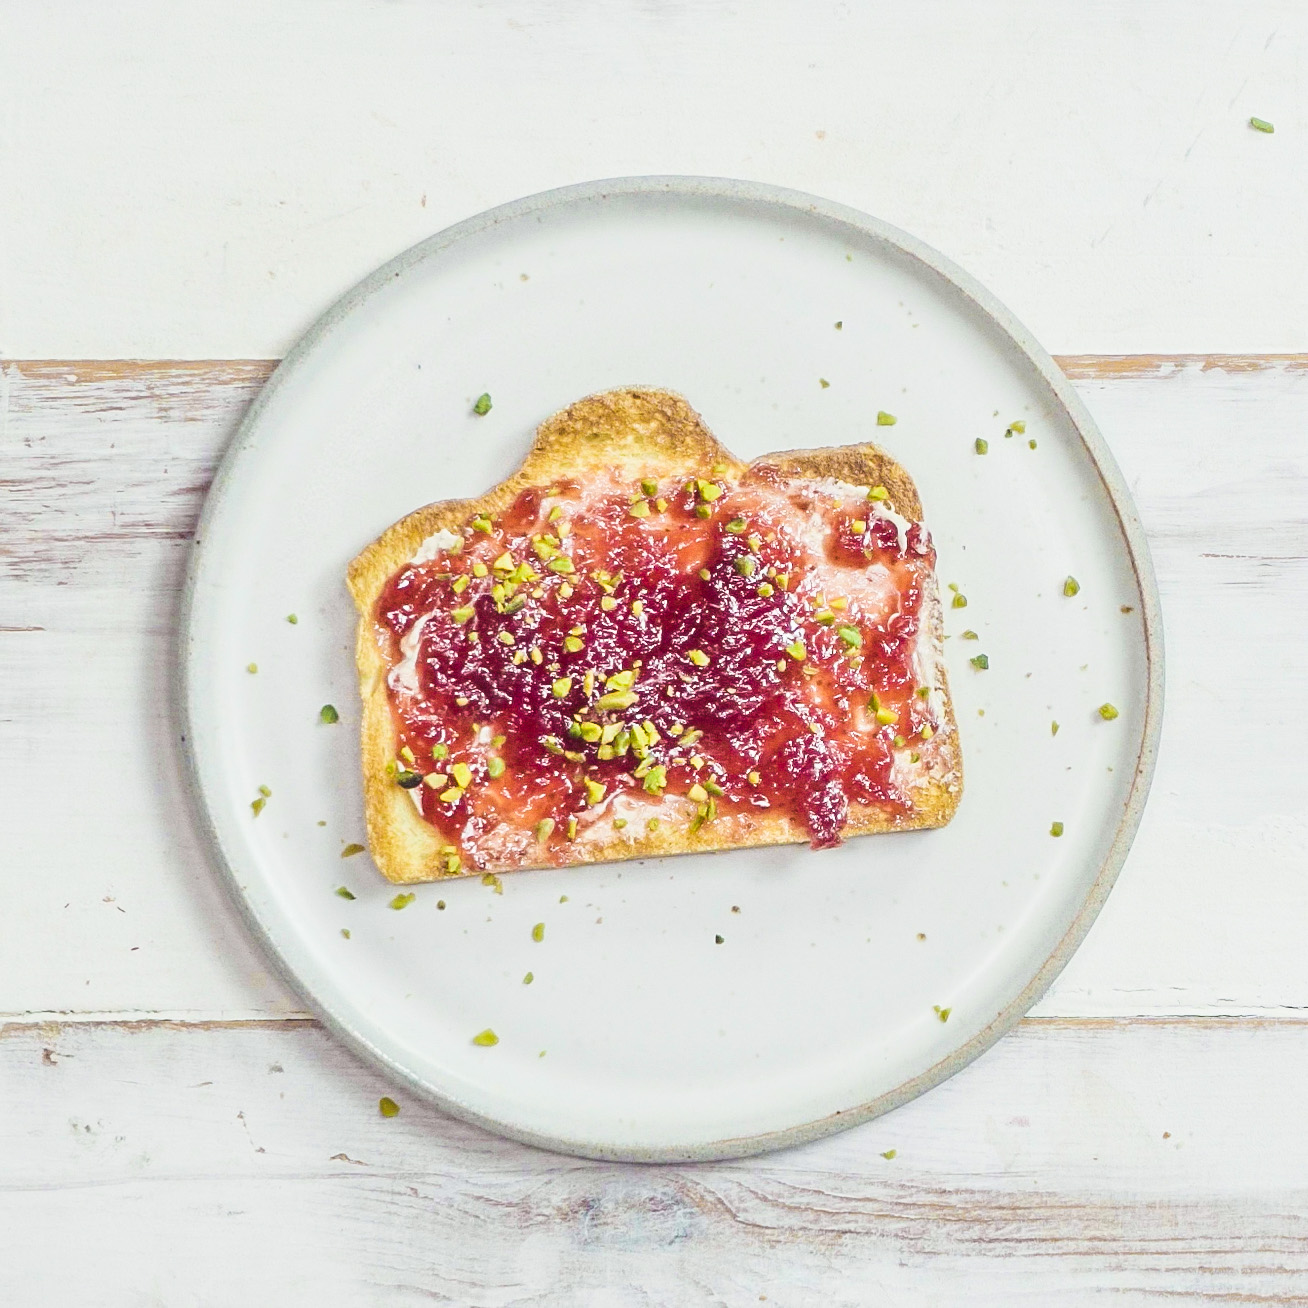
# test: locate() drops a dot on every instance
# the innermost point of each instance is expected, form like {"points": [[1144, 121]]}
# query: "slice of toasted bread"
{"points": [[615, 437]]}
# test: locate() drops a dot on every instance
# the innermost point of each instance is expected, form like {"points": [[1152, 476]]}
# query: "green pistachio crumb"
{"points": [[572, 828], [640, 509], [1053, 728], [851, 636], [265, 792], [402, 901], [528, 979], [350, 850], [619, 823], [491, 880], [704, 574], [858, 526], [655, 780], [637, 608], [708, 491], [538, 932], [797, 651], [615, 700], [483, 404], [1261, 125], [878, 493], [292, 619], [753, 778], [252, 667], [1056, 829], [1107, 712], [440, 903], [1019, 427], [959, 601], [885, 419], [737, 526], [608, 603], [562, 564], [486, 1038], [890, 1153], [595, 791], [822, 381], [256, 805], [981, 662], [561, 686], [544, 829], [698, 658], [745, 565], [942, 1013], [345, 931], [345, 892], [982, 445], [766, 590], [573, 644], [703, 511], [462, 775], [387, 1106], [1071, 587], [494, 766]]}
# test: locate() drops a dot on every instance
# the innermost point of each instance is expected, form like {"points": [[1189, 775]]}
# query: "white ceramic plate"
{"points": [[641, 1037]]}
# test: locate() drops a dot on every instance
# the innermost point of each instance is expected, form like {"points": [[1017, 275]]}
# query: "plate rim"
{"points": [[185, 711]]}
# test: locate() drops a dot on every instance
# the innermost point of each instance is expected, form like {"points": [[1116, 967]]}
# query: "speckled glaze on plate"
{"points": [[788, 321]]}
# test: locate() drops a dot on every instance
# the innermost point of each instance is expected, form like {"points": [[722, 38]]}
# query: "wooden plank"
{"points": [[1141, 1160], [103, 467], [1093, 164]]}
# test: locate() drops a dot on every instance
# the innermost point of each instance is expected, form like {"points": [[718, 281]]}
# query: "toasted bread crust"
{"points": [[642, 433]]}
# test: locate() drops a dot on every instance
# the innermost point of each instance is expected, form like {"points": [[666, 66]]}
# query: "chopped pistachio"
{"points": [[708, 490], [1056, 829], [439, 751], [292, 619], [479, 569], [697, 793], [345, 892], [453, 864], [1071, 587], [754, 541], [851, 636], [797, 651], [1032, 443], [982, 445], [482, 524], [640, 509], [927, 731], [350, 850], [637, 608], [615, 700], [459, 584], [572, 828], [737, 526], [562, 564], [553, 744], [886, 717], [1019, 427], [462, 615], [1261, 125], [491, 880], [573, 644], [923, 692], [561, 686], [345, 931], [981, 662], [619, 823], [704, 574], [969, 635], [452, 795], [885, 419], [408, 779], [656, 779], [942, 1013], [822, 381], [703, 511], [1107, 712], [745, 565], [608, 603], [407, 755], [544, 830], [504, 563], [959, 601], [712, 786], [661, 504], [878, 493], [252, 667], [402, 901], [1053, 728], [765, 590], [594, 792], [890, 1153], [486, 1038], [698, 658], [538, 932], [536, 656], [494, 766], [783, 579], [900, 742], [483, 404], [462, 774], [387, 1106], [436, 780]]}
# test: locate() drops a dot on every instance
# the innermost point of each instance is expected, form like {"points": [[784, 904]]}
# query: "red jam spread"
{"points": [[635, 653]]}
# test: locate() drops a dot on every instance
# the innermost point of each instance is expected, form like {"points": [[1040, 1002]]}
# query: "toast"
{"points": [[638, 645]]}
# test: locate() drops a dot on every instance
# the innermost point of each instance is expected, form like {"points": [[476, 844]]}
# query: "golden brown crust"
{"points": [[641, 432]]}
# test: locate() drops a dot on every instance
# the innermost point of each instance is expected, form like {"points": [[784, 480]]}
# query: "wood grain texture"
{"points": [[104, 466], [1092, 163], [249, 1165]]}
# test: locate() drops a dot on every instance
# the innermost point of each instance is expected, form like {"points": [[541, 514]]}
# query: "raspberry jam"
{"points": [[627, 653]]}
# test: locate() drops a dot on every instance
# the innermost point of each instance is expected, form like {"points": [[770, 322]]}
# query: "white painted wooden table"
{"points": [[196, 183]]}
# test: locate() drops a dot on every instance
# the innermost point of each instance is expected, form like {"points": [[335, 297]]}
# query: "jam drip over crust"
{"points": [[628, 653]]}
